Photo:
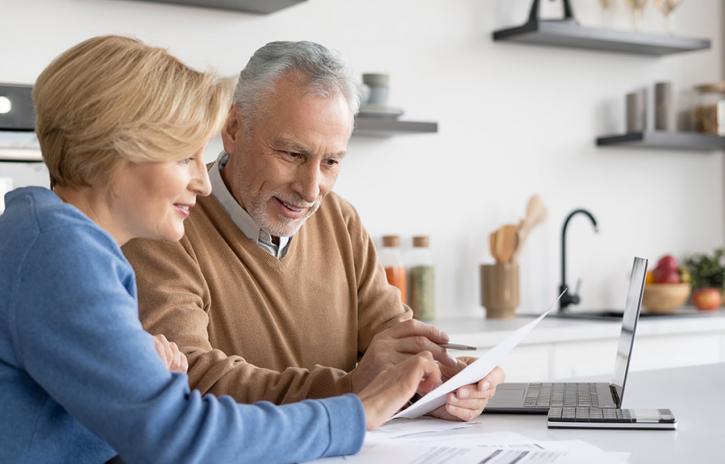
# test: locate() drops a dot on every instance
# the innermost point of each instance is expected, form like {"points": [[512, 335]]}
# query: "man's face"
{"points": [[283, 163]]}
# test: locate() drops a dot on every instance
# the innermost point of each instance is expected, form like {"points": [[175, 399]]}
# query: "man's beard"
{"points": [[280, 227]]}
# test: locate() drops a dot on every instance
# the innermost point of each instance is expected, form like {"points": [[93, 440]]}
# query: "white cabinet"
{"points": [[528, 362], [663, 351], [561, 349], [583, 359]]}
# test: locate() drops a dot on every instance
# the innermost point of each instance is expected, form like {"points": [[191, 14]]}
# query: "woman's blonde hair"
{"points": [[114, 98]]}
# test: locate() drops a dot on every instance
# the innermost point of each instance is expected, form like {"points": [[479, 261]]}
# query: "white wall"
{"points": [[514, 120]]}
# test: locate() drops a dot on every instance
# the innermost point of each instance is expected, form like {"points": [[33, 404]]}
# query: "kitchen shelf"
{"points": [[388, 127], [665, 140], [568, 33], [246, 6]]}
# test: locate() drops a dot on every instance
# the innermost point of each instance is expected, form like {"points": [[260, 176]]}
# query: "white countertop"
{"points": [[692, 393], [484, 332]]}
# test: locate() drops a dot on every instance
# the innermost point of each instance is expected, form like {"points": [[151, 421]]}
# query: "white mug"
{"points": [[6, 185]]}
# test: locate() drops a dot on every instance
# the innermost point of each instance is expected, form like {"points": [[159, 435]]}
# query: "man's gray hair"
{"points": [[321, 71]]}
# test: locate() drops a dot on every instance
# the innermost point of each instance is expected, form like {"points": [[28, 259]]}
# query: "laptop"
{"points": [[537, 398]]}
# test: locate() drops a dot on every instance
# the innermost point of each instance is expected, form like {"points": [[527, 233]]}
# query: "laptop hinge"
{"points": [[615, 396]]}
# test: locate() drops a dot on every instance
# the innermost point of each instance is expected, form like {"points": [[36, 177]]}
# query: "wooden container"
{"points": [[500, 289], [665, 298]]}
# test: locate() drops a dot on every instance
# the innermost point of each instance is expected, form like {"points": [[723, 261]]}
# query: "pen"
{"points": [[455, 346]]}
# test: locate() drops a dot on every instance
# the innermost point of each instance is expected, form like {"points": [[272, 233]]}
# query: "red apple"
{"points": [[667, 262], [707, 298], [666, 276]]}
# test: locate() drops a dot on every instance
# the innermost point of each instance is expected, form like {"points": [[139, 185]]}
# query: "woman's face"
{"points": [[151, 200]]}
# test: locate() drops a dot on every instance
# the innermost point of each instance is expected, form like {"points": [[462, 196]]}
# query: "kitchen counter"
{"points": [[484, 332], [565, 348]]}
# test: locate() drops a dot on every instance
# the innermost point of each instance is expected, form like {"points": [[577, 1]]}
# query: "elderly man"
{"points": [[275, 293]]}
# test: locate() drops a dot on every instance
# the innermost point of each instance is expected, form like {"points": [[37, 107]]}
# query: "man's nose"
{"points": [[308, 182]]}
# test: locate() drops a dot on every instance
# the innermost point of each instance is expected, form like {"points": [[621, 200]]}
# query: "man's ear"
{"points": [[230, 131]]}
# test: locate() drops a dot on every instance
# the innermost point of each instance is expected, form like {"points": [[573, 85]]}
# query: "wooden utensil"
{"points": [[507, 240], [492, 245], [535, 215]]}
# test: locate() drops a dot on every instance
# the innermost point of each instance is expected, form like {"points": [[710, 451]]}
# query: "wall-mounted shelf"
{"points": [[246, 6], [569, 34], [665, 140], [388, 127]]}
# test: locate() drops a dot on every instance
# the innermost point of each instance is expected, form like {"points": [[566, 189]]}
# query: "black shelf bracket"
{"points": [[535, 7]]}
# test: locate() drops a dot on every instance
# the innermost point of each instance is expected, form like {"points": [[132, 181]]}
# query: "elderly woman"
{"points": [[122, 127]]}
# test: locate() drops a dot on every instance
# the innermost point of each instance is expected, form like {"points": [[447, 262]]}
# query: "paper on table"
{"points": [[410, 428], [472, 373], [491, 448]]}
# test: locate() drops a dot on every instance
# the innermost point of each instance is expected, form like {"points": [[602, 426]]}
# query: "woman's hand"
{"points": [[393, 387], [174, 359]]}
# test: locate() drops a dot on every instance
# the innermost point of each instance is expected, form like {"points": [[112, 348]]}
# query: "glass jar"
{"points": [[392, 261], [708, 115], [422, 279]]}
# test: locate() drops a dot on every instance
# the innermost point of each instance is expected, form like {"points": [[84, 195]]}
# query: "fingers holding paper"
{"points": [[468, 402]]}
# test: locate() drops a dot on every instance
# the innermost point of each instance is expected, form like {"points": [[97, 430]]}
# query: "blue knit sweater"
{"points": [[80, 381]]}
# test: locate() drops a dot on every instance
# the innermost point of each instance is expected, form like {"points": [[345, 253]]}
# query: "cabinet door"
{"points": [[584, 359], [658, 352], [528, 363]]}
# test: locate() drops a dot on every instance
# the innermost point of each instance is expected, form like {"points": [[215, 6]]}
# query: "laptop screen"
{"points": [[629, 327]]}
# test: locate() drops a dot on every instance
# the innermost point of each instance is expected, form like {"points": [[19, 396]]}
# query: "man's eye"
{"points": [[186, 161], [332, 162], [294, 155]]}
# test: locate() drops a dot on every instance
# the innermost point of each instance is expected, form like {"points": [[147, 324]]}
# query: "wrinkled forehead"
{"points": [[308, 120]]}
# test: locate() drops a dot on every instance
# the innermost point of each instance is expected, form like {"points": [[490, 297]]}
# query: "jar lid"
{"points": [[714, 87], [421, 241], [391, 240]]}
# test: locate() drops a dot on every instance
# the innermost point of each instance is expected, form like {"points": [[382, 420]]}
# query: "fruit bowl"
{"points": [[665, 298]]}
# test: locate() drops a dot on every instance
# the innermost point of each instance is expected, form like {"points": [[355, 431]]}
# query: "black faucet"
{"points": [[570, 297]]}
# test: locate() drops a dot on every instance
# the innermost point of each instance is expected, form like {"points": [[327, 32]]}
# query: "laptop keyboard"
{"points": [[561, 395]]}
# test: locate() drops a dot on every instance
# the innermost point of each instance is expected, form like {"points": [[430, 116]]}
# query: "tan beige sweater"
{"points": [[259, 328]]}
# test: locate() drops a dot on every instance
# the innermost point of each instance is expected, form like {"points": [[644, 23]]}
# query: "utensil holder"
{"points": [[500, 289]]}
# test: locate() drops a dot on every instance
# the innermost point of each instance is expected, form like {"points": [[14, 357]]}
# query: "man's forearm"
{"points": [[214, 372]]}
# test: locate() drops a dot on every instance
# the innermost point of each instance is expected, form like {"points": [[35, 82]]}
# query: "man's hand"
{"points": [[174, 359], [396, 344], [393, 387], [468, 402]]}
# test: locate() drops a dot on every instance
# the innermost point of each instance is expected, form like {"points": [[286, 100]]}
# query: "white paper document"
{"points": [[477, 448], [474, 372], [406, 428]]}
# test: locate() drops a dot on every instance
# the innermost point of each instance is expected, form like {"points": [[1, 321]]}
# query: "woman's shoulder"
{"points": [[37, 215]]}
